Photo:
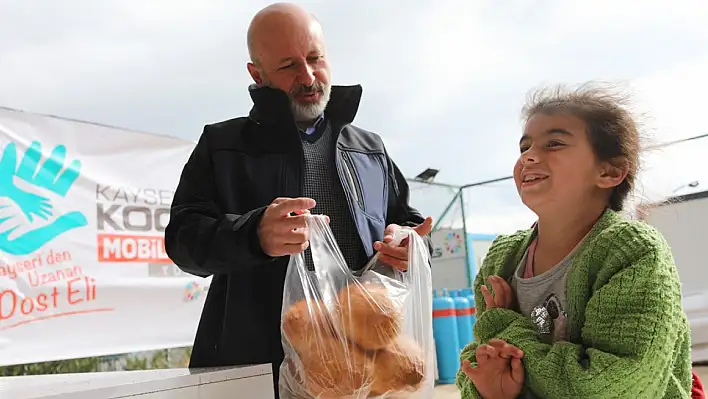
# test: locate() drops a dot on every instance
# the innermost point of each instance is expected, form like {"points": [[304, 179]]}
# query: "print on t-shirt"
{"points": [[550, 318]]}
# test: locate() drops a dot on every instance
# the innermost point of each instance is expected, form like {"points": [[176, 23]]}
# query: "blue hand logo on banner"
{"points": [[51, 176]]}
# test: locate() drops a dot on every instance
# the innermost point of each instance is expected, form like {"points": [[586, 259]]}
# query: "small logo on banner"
{"points": [[453, 243], [32, 231], [193, 291]]}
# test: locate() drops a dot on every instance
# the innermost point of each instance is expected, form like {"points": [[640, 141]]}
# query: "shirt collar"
{"points": [[313, 128]]}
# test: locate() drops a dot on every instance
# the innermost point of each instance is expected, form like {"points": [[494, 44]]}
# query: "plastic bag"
{"points": [[347, 336]]}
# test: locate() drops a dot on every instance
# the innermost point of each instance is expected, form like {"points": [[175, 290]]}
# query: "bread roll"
{"points": [[398, 367], [368, 316], [306, 321], [334, 368]]}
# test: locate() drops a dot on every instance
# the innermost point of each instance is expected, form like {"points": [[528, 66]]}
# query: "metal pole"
{"points": [[447, 209], [670, 143], [660, 145], [481, 183], [464, 238], [432, 183]]}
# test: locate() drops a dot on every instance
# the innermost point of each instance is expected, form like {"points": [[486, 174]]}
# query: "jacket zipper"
{"points": [[353, 181]]}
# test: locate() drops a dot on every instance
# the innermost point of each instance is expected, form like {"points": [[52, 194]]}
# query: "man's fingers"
{"points": [[401, 265], [392, 251], [292, 222], [404, 242], [294, 237], [288, 249], [424, 228], [389, 239], [286, 206], [390, 230], [294, 249], [517, 371]]}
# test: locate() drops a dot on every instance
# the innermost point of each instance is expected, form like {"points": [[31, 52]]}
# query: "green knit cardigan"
{"points": [[629, 336]]}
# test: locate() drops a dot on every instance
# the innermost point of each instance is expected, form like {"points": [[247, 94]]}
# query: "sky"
{"points": [[443, 81]]}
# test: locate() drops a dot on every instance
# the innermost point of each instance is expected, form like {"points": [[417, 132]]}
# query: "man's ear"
{"points": [[255, 73], [613, 173]]}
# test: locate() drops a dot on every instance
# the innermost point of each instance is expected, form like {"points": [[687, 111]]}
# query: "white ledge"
{"points": [[124, 384]]}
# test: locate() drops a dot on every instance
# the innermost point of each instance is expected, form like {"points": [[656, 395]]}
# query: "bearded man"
{"points": [[237, 213]]}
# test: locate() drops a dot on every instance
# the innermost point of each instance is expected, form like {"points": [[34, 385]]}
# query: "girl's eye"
{"points": [[554, 144], [524, 148]]}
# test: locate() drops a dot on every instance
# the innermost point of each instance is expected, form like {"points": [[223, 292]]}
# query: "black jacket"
{"points": [[239, 167]]}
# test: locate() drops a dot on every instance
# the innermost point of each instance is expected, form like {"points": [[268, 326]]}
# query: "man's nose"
{"points": [[306, 77]]}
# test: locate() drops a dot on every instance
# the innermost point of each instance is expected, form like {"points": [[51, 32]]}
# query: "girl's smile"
{"points": [[532, 178]]}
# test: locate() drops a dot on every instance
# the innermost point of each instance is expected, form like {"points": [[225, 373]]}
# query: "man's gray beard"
{"points": [[305, 112], [308, 111]]}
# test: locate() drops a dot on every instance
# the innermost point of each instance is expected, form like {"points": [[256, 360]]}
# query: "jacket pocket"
{"points": [[369, 182], [352, 179]]}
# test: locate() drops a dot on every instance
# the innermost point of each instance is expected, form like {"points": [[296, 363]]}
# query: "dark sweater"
{"points": [[323, 185]]}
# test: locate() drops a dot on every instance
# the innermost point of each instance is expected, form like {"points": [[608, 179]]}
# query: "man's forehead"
{"points": [[290, 48]]}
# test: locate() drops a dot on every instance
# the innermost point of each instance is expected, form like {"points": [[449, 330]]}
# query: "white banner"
{"points": [[448, 260], [83, 269], [448, 244]]}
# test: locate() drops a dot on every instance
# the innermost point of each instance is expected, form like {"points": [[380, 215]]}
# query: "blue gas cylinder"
{"points": [[464, 323], [469, 293], [446, 339]]}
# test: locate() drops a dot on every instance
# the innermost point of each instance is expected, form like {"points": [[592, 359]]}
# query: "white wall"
{"points": [[685, 224]]}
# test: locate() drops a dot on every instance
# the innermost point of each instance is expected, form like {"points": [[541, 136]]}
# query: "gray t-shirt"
{"points": [[543, 297]]}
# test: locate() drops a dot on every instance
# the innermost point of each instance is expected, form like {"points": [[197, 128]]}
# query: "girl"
{"points": [[585, 304]]}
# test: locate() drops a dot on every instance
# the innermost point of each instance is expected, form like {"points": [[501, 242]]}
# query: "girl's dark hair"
{"points": [[612, 129]]}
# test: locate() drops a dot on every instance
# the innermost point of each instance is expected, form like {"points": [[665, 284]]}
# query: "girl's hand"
{"points": [[503, 296], [499, 373]]}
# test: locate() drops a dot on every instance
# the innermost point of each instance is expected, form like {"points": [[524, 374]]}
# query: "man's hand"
{"points": [[499, 373], [503, 296], [397, 255], [281, 233]]}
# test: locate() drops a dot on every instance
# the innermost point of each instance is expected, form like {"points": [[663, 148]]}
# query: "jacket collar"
{"points": [[272, 106]]}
